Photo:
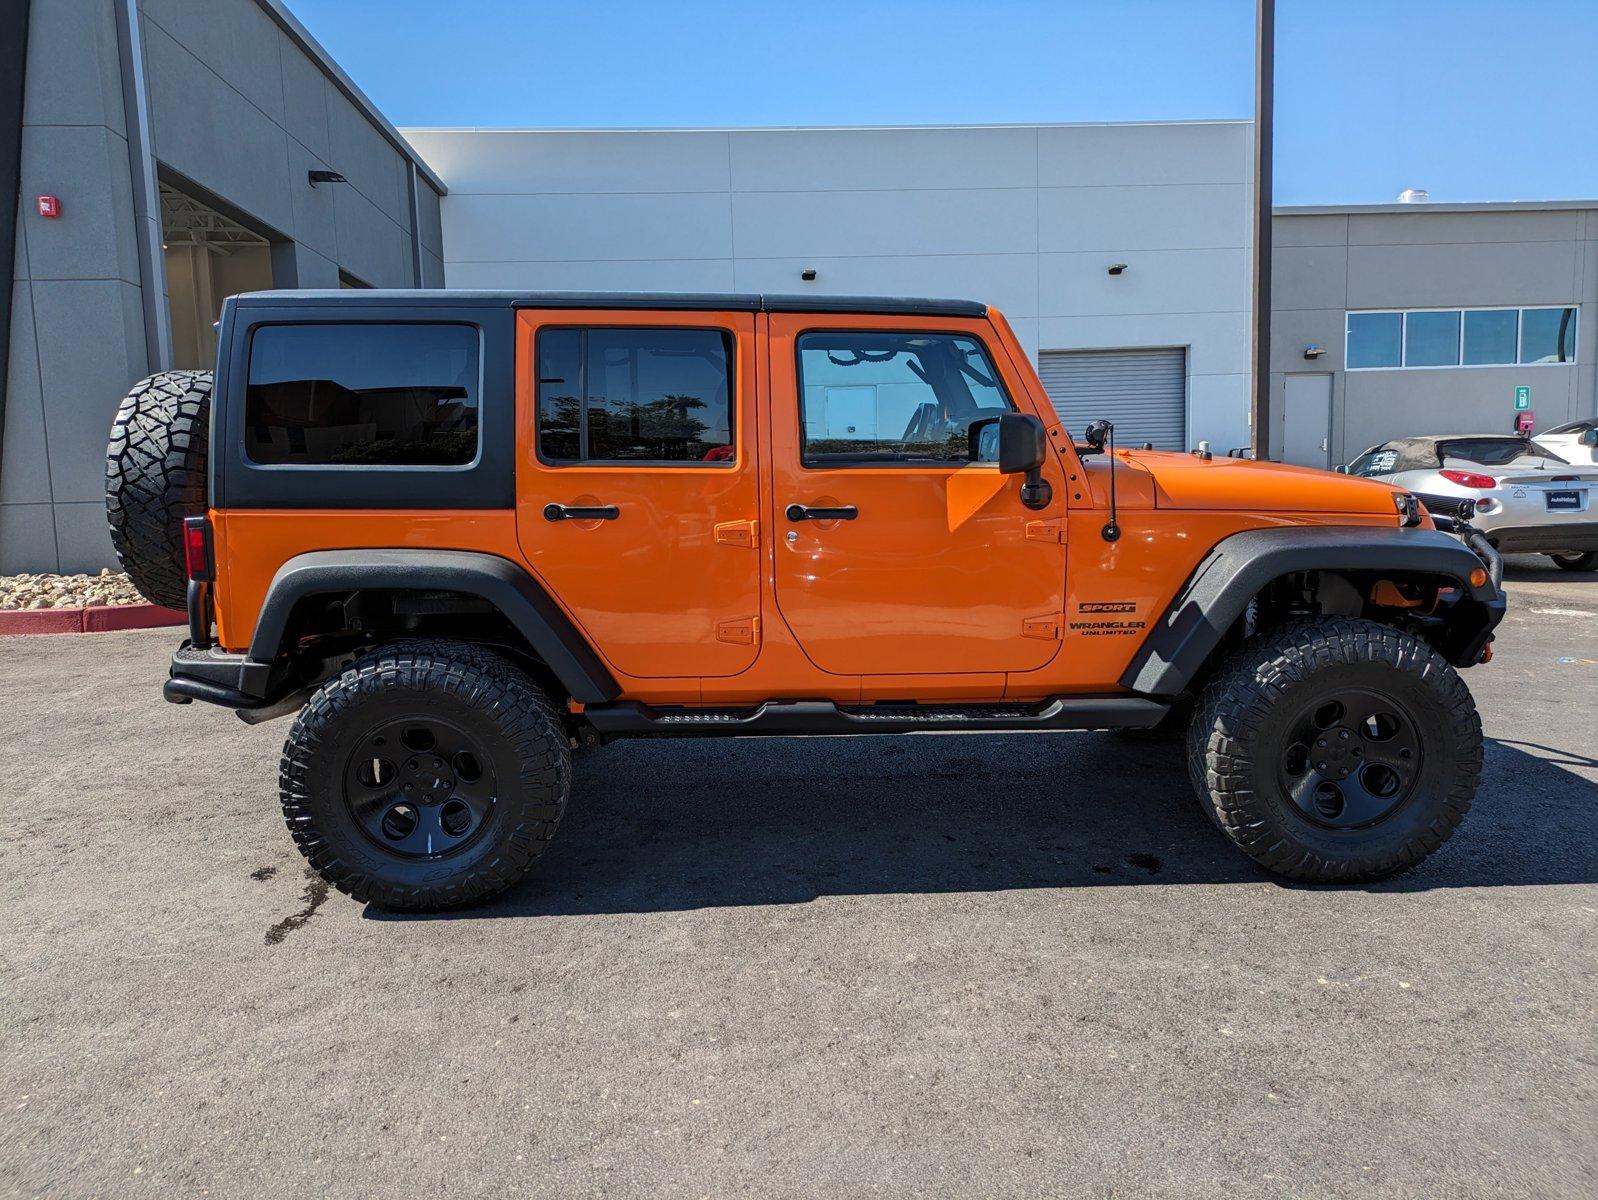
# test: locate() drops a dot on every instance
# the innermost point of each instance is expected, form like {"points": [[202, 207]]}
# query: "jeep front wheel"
{"points": [[426, 775], [1336, 750]]}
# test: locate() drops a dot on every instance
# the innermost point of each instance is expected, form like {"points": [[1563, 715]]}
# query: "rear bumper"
{"points": [[1543, 539], [253, 690], [216, 677]]}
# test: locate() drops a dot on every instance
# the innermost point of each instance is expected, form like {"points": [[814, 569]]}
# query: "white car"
{"points": [[1575, 442], [1525, 498]]}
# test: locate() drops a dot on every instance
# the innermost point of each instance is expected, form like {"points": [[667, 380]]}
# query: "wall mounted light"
{"points": [[317, 177], [1312, 352], [1117, 268], [808, 274]]}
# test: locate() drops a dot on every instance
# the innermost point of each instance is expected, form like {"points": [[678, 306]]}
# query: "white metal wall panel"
{"points": [[1144, 392]]}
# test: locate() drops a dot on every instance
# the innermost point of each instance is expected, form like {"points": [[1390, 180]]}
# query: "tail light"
{"points": [[197, 548], [1470, 479]]}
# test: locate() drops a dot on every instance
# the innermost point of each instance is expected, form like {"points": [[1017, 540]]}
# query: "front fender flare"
{"points": [[1240, 566]]}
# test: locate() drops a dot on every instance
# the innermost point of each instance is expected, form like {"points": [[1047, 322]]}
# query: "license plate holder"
{"points": [[1563, 501]]}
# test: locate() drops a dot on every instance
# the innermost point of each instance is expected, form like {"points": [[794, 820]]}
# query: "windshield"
{"points": [[1493, 451], [1380, 461]]}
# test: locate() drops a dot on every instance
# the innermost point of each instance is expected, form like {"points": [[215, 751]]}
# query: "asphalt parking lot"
{"points": [[937, 965]]}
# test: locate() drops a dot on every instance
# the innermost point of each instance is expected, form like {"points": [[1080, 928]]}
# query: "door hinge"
{"points": [[1044, 628], [738, 533], [1046, 531], [740, 631]]}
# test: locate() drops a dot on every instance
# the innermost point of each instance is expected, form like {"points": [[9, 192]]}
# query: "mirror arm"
{"points": [[1035, 490]]}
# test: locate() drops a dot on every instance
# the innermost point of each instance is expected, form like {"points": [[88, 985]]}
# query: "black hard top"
{"points": [[685, 301]]}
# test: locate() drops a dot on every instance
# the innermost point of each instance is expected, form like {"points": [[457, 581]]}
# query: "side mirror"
{"points": [[1590, 438], [1022, 449], [1022, 442]]}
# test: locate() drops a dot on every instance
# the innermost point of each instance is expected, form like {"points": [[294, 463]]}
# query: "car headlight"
{"points": [[1408, 509]]}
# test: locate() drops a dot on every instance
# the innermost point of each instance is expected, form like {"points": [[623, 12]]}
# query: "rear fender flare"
{"points": [[510, 588], [1240, 566]]}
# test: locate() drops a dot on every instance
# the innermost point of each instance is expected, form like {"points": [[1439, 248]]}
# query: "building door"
{"points": [[1307, 421], [896, 554], [637, 485], [1144, 392]]}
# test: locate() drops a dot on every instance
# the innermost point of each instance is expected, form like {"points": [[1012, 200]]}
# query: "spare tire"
{"points": [[155, 475]]}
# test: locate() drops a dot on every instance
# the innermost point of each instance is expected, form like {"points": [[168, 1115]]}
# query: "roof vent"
{"points": [[1414, 196]]}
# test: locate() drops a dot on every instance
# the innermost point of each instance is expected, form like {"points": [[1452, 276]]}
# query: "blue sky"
{"points": [[1474, 100]]}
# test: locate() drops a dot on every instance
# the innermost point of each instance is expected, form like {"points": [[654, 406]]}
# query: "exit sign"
{"points": [[1522, 398]]}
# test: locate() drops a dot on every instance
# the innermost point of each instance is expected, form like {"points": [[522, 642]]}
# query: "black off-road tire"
{"points": [[155, 476], [510, 722], [1587, 561], [1239, 744]]}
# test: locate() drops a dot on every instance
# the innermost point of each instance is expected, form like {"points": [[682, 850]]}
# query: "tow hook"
{"points": [[1486, 653]]}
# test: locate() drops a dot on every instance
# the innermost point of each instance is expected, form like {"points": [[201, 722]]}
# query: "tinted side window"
{"points": [[635, 395], [362, 395], [894, 397]]}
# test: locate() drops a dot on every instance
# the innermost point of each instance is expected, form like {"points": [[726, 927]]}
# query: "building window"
{"points": [[362, 395], [892, 398], [1471, 337], [1490, 335], [642, 395], [1375, 339], [1547, 335], [1431, 339]]}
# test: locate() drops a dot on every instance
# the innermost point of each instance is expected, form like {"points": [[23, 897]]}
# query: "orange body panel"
{"points": [[945, 588], [909, 587], [671, 587]]}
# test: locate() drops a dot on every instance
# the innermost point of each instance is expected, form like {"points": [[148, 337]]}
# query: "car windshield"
{"points": [[1573, 427], [1380, 461], [1493, 451]]}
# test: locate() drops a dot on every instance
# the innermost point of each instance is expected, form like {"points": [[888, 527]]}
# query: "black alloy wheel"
{"points": [[1352, 759], [420, 787]]}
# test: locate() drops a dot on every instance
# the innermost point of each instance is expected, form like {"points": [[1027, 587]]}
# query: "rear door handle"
{"points": [[578, 512], [801, 512]]}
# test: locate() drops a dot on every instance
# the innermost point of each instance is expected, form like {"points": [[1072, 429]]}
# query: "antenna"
{"points": [[1098, 434]]}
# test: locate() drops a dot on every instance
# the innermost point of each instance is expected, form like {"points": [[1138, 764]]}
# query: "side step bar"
{"points": [[629, 718]]}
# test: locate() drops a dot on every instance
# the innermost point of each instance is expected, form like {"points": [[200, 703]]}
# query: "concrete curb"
{"points": [[97, 618]]}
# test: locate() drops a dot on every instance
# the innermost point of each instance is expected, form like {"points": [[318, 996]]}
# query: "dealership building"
{"points": [[189, 151]]}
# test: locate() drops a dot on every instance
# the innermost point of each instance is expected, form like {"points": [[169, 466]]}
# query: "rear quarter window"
{"points": [[352, 395]]}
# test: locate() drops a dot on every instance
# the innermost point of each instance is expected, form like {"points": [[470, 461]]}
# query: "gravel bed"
{"points": [[67, 591]]}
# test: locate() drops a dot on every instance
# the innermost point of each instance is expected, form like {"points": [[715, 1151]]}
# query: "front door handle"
{"points": [[801, 512], [578, 512]]}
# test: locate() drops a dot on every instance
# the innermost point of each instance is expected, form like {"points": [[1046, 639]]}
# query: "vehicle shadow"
{"points": [[679, 825]]}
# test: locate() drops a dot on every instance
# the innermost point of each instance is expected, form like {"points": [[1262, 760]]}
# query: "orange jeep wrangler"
{"points": [[467, 534]]}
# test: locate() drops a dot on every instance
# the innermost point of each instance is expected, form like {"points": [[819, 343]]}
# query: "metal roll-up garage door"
{"points": [[1144, 392]]}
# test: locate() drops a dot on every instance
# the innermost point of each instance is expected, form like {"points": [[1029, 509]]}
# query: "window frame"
{"points": [[409, 468], [888, 464], [1461, 365], [734, 398]]}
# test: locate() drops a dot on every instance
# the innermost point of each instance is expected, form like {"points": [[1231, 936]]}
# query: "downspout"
{"points": [[13, 65], [146, 196]]}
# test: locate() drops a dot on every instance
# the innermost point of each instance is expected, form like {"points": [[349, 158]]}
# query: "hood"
{"points": [[1188, 481]]}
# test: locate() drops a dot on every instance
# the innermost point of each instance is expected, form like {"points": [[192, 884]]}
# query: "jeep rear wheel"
{"points": [[1336, 750], [155, 472], [426, 775]]}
